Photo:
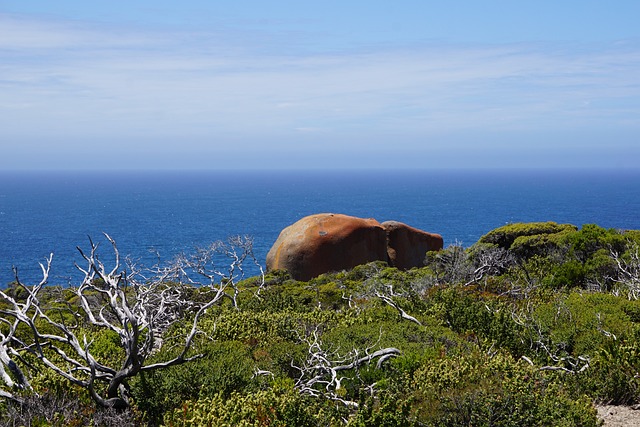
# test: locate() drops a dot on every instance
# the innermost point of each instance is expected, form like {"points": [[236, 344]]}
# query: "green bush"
{"points": [[479, 317], [613, 375], [280, 406], [578, 324], [479, 390], [388, 409], [462, 365], [225, 368], [592, 238], [567, 275], [527, 239]]}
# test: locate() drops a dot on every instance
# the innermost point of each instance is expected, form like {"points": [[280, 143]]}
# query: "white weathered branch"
{"points": [[319, 373], [628, 269], [17, 312], [138, 308], [392, 303]]}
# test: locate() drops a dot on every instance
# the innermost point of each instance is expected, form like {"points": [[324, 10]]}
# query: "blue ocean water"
{"points": [[173, 212]]}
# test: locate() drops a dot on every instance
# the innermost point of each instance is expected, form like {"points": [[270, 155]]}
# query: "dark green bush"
{"points": [[225, 368]]}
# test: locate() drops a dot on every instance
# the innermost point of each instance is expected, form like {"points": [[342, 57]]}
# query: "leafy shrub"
{"points": [[461, 366], [475, 389], [592, 238], [280, 406], [613, 375], [578, 324], [225, 368], [527, 239], [388, 409], [569, 274], [480, 315]]}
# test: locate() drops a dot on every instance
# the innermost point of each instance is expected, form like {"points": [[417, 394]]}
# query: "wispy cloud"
{"points": [[75, 80]]}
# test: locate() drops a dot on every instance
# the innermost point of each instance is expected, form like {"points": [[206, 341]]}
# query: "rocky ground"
{"points": [[619, 416]]}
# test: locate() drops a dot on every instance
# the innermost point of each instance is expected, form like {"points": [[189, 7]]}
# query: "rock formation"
{"points": [[407, 246], [327, 242]]}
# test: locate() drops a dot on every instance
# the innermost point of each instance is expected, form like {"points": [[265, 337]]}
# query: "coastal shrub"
{"points": [[591, 238], [578, 324], [613, 376], [278, 406], [391, 407], [227, 324], [225, 368], [527, 239], [463, 365], [479, 317], [62, 409], [451, 265], [566, 275], [531, 274], [480, 390], [106, 346]]}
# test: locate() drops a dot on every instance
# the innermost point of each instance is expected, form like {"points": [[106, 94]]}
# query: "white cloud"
{"points": [[71, 80]]}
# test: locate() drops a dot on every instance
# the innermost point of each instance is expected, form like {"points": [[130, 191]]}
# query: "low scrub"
{"points": [[530, 326]]}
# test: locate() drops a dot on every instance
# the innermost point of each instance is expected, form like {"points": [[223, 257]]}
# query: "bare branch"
{"points": [[628, 270], [319, 373], [17, 312], [542, 342], [138, 307], [490, 261], [203, 268], [403, 314]]}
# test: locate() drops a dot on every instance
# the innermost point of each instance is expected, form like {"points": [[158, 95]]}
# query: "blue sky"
{"points": [[331, 84]]}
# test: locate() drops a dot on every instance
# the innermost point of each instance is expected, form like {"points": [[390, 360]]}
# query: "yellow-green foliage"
{"points": [[475, 358], [482, 390], [279, 406], [264, 326], [528, 237], [227, 367], [578, 324], [613, 377]]}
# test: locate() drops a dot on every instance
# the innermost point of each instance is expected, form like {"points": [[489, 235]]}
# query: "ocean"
{"points": [[173, 212]]}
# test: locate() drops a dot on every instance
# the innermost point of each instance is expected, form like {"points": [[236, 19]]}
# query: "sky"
{"points": [[319, 85]]}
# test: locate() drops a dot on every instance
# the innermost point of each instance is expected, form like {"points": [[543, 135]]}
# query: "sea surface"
{"points": [[176, 212]]}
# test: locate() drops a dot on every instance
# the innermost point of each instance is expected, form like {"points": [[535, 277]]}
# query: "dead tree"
{"points": [[540, 341], [451, 265], [389, 301], [490, 261], [320, 374], [10, 372], [136, 307], [203, 268], [628, 270], [12, 375]]}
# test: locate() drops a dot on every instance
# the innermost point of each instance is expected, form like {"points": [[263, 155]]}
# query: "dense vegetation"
{"points": [[530, 326]]}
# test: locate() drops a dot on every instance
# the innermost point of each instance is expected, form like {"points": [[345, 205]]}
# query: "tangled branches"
{"points": [[139, 307], [320, 374]]}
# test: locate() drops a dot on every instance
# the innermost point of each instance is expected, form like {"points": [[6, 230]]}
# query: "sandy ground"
{"points": [[619, 416]]}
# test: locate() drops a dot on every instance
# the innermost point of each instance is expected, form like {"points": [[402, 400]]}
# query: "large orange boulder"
{"points": [[407, 246], [327, 242]]}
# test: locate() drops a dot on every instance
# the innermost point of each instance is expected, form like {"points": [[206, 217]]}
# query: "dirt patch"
{"points": [[618, 416]]}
